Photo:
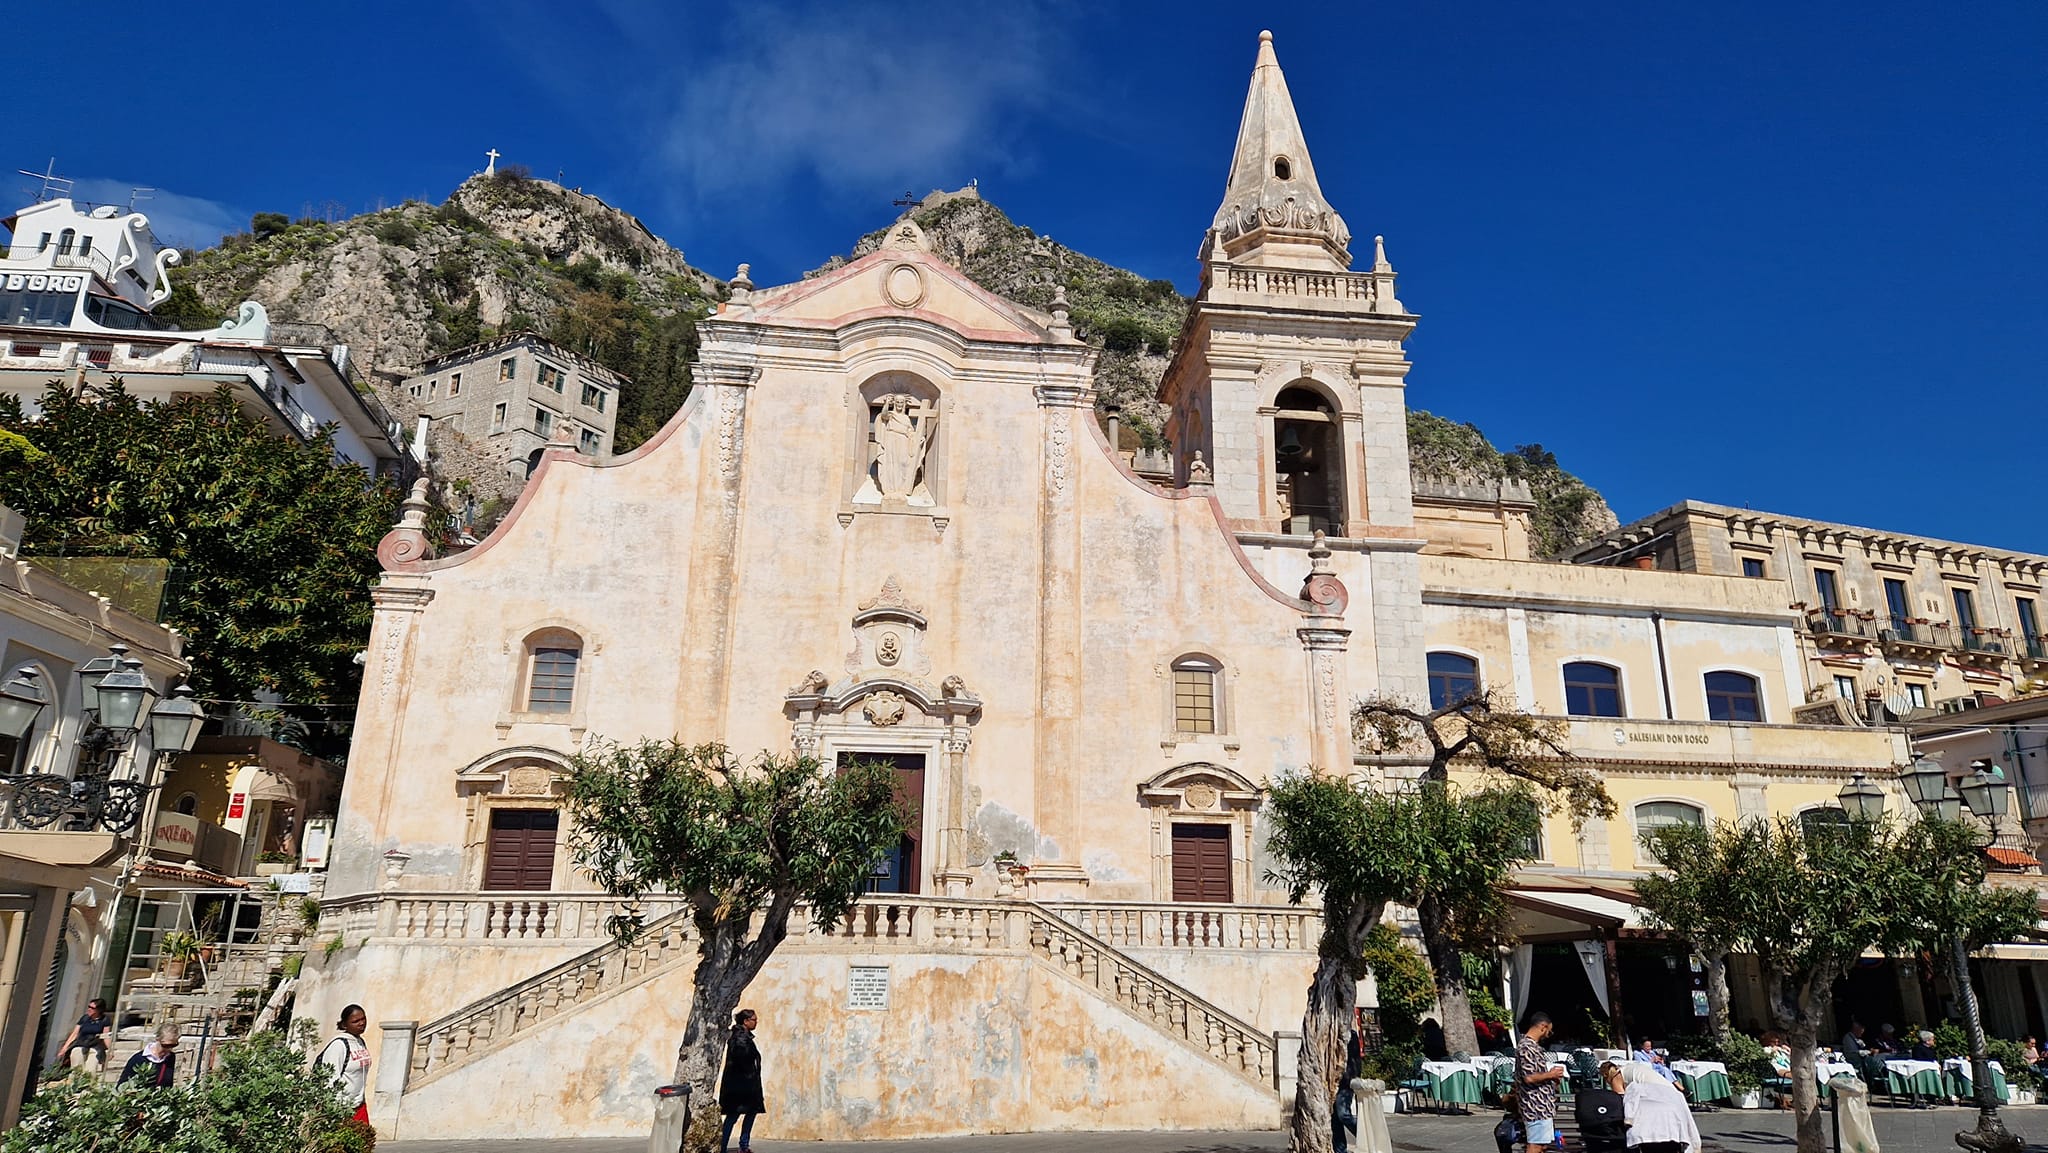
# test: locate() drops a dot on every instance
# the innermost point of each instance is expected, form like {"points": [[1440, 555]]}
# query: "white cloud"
{"points": [[182, 221], [861, 97]]}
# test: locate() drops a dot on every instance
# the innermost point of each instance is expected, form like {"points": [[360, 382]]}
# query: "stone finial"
{"points": [[406, 546], [1325, 594], [1383, 298], [1060, 325], [1198, 471], [741, 286], [1379, 255]]}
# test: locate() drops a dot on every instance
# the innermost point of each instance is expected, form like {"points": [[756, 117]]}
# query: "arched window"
{"points": [[65, 240], [1592, 690], [552, 659], [1821, 820], [1194, 695], [1734, 697], [1654, 815], [1308, 465], [1453, 677], [188, 804]]}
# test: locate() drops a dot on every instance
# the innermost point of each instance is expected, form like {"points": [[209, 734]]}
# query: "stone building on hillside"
{"points": [[888, 524], [515, 393]]}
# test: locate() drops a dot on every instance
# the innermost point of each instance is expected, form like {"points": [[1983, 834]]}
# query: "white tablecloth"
{"points": [[1906, 1067], [1826, 1071], [1698, 1068], [1962, 1065]]}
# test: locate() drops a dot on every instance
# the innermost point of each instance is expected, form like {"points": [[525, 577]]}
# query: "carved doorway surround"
{"points": [[884, 703], [1200, 793]]}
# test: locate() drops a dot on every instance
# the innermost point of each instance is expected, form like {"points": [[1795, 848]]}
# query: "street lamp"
{"points": [[21, 700], [92, 672], [1862, 799], [1984, 791], [1926, 784], [125, 696], [174, 724]]}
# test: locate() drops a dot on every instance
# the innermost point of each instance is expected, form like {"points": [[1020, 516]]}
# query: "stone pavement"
{"points": [[1727, 1131]]}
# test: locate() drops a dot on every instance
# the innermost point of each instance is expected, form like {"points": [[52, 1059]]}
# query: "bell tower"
{"points": [[1290, 383], [1289, 379]]}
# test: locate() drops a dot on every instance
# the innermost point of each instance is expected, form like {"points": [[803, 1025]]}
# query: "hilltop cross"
{"points": [[491, 169]]}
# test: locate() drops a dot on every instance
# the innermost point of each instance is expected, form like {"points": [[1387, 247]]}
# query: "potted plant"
{"points": [[1748, 1066], [178, 949], [1009, 871]]}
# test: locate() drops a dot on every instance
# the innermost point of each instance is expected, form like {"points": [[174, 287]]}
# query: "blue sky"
{"points": [[1782, 255]]}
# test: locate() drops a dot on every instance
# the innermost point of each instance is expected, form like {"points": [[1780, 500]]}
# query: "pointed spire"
{"points": [[1272, 181]]}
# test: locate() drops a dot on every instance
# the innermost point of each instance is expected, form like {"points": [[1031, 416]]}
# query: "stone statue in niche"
{"points": [[898, 441]]}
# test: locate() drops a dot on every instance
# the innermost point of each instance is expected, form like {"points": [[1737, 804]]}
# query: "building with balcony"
{"points": [[76, 289], [514, 394], [1892, 626]]}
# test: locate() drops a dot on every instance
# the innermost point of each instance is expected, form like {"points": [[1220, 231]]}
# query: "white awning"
{"points": [[2016, 953], [1558, 914]]}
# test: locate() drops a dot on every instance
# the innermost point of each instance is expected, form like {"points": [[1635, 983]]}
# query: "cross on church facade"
{"points": [[491, 169]]}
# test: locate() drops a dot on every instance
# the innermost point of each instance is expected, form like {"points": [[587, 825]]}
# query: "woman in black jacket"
{"points": [[739, 1087]]}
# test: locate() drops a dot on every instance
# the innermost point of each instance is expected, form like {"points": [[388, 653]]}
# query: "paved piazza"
{"points": [[1898, 1130]]}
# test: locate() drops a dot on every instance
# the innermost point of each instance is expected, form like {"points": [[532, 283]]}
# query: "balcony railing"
{"points": [[1833, 622], [1978, 641], [1901, 631], [2035, 648], [64, 256]]}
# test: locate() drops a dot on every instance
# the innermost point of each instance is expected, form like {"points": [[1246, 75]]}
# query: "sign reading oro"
{"points": [[867, 987]]}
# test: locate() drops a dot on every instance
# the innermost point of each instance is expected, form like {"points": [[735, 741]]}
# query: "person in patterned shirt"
{"points": [[1536, 1084]]}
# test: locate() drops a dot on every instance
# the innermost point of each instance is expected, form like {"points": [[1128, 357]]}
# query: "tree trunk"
{"points": [[1717, 996], [1794, 1012], [1990, 1135], [1454, 1002], [1326, 1026], [726, 965]]}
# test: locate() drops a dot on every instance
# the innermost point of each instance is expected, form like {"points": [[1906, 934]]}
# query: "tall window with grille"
{"points": [[1194, 695], [551, 685]]}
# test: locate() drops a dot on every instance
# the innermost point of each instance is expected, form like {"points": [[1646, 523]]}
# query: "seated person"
{"points": [[1645, 1053], [1924, 1051], [1887, 1041], [1853, 1048], [2030, 1052], [1779, 1052]]}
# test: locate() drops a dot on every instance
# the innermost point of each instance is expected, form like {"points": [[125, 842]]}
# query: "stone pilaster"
{"points": [[1056, 785], [1397, 623], [368, 796], [714, 552], [1329, 695]]}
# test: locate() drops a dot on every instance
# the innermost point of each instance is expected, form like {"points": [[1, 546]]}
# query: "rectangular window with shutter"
{"points": [[552, 688], [520, 852], [1194, 700], [1201, 863]]}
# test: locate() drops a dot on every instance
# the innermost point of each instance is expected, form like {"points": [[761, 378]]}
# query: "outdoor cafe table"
{"points": [[1918, 1078], [1826, 1071], [1703, 1080], [1455, 1082], [1959, 1082]]}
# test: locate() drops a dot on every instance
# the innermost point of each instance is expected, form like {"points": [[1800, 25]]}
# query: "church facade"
{"points": [[887, 524]]}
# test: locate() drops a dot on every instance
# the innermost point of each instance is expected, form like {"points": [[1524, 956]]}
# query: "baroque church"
{"points": [[888, 524]]}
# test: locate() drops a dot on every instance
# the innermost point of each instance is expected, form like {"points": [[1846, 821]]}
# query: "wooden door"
{"points": [[901, 870], [520, 854], [1201, 863]]}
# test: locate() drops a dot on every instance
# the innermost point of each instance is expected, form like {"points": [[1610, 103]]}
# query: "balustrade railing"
{"points": [[1325, 286], [459, 918], [1158, 926]]}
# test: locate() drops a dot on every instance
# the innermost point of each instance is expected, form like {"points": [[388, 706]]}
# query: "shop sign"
{"points": [[41, 282], [175, 835], [238, 805]]}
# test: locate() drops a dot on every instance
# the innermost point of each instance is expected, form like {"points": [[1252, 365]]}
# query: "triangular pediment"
{"points": [[902, 277]]}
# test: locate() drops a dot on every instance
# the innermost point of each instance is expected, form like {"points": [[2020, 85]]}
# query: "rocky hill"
{"points": [[510, 252], [503, 253]]}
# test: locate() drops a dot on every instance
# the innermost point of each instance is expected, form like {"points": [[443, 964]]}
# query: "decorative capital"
{"points": [[1320, 639]]}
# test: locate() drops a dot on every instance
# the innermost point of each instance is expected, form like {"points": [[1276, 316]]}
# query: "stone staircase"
{"points": [[900, 923]]}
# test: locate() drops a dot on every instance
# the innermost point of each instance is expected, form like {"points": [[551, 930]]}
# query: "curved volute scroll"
{"points": [[1325, 594], [406, 547]]}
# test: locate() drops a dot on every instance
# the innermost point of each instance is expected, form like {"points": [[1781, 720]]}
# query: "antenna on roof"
{"points": [[138, 195], [53, 185]]}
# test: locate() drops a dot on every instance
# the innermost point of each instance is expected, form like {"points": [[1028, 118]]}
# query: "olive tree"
{"points": [[1487, 735], [1360, 849], [1805, 907], [743, 843], [1942, 906]]}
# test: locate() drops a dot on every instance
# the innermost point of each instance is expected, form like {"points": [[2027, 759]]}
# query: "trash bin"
{"points": [[1854, 1132], [1368, 1104], [671, 1118]]}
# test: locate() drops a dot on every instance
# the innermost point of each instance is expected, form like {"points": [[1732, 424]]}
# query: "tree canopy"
{"points": [[271, 543]]}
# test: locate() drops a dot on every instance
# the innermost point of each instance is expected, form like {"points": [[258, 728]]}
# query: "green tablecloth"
{"points": [[1703, 1084], [1454, 1083], [1960, 1084], [1921, 1077]]}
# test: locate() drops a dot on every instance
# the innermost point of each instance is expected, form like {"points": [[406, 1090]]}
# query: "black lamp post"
{"points": [[1985, 794], [118, 701]]}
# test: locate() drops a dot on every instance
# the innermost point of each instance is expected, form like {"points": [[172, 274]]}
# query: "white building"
{"points": [[76, 289]]}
